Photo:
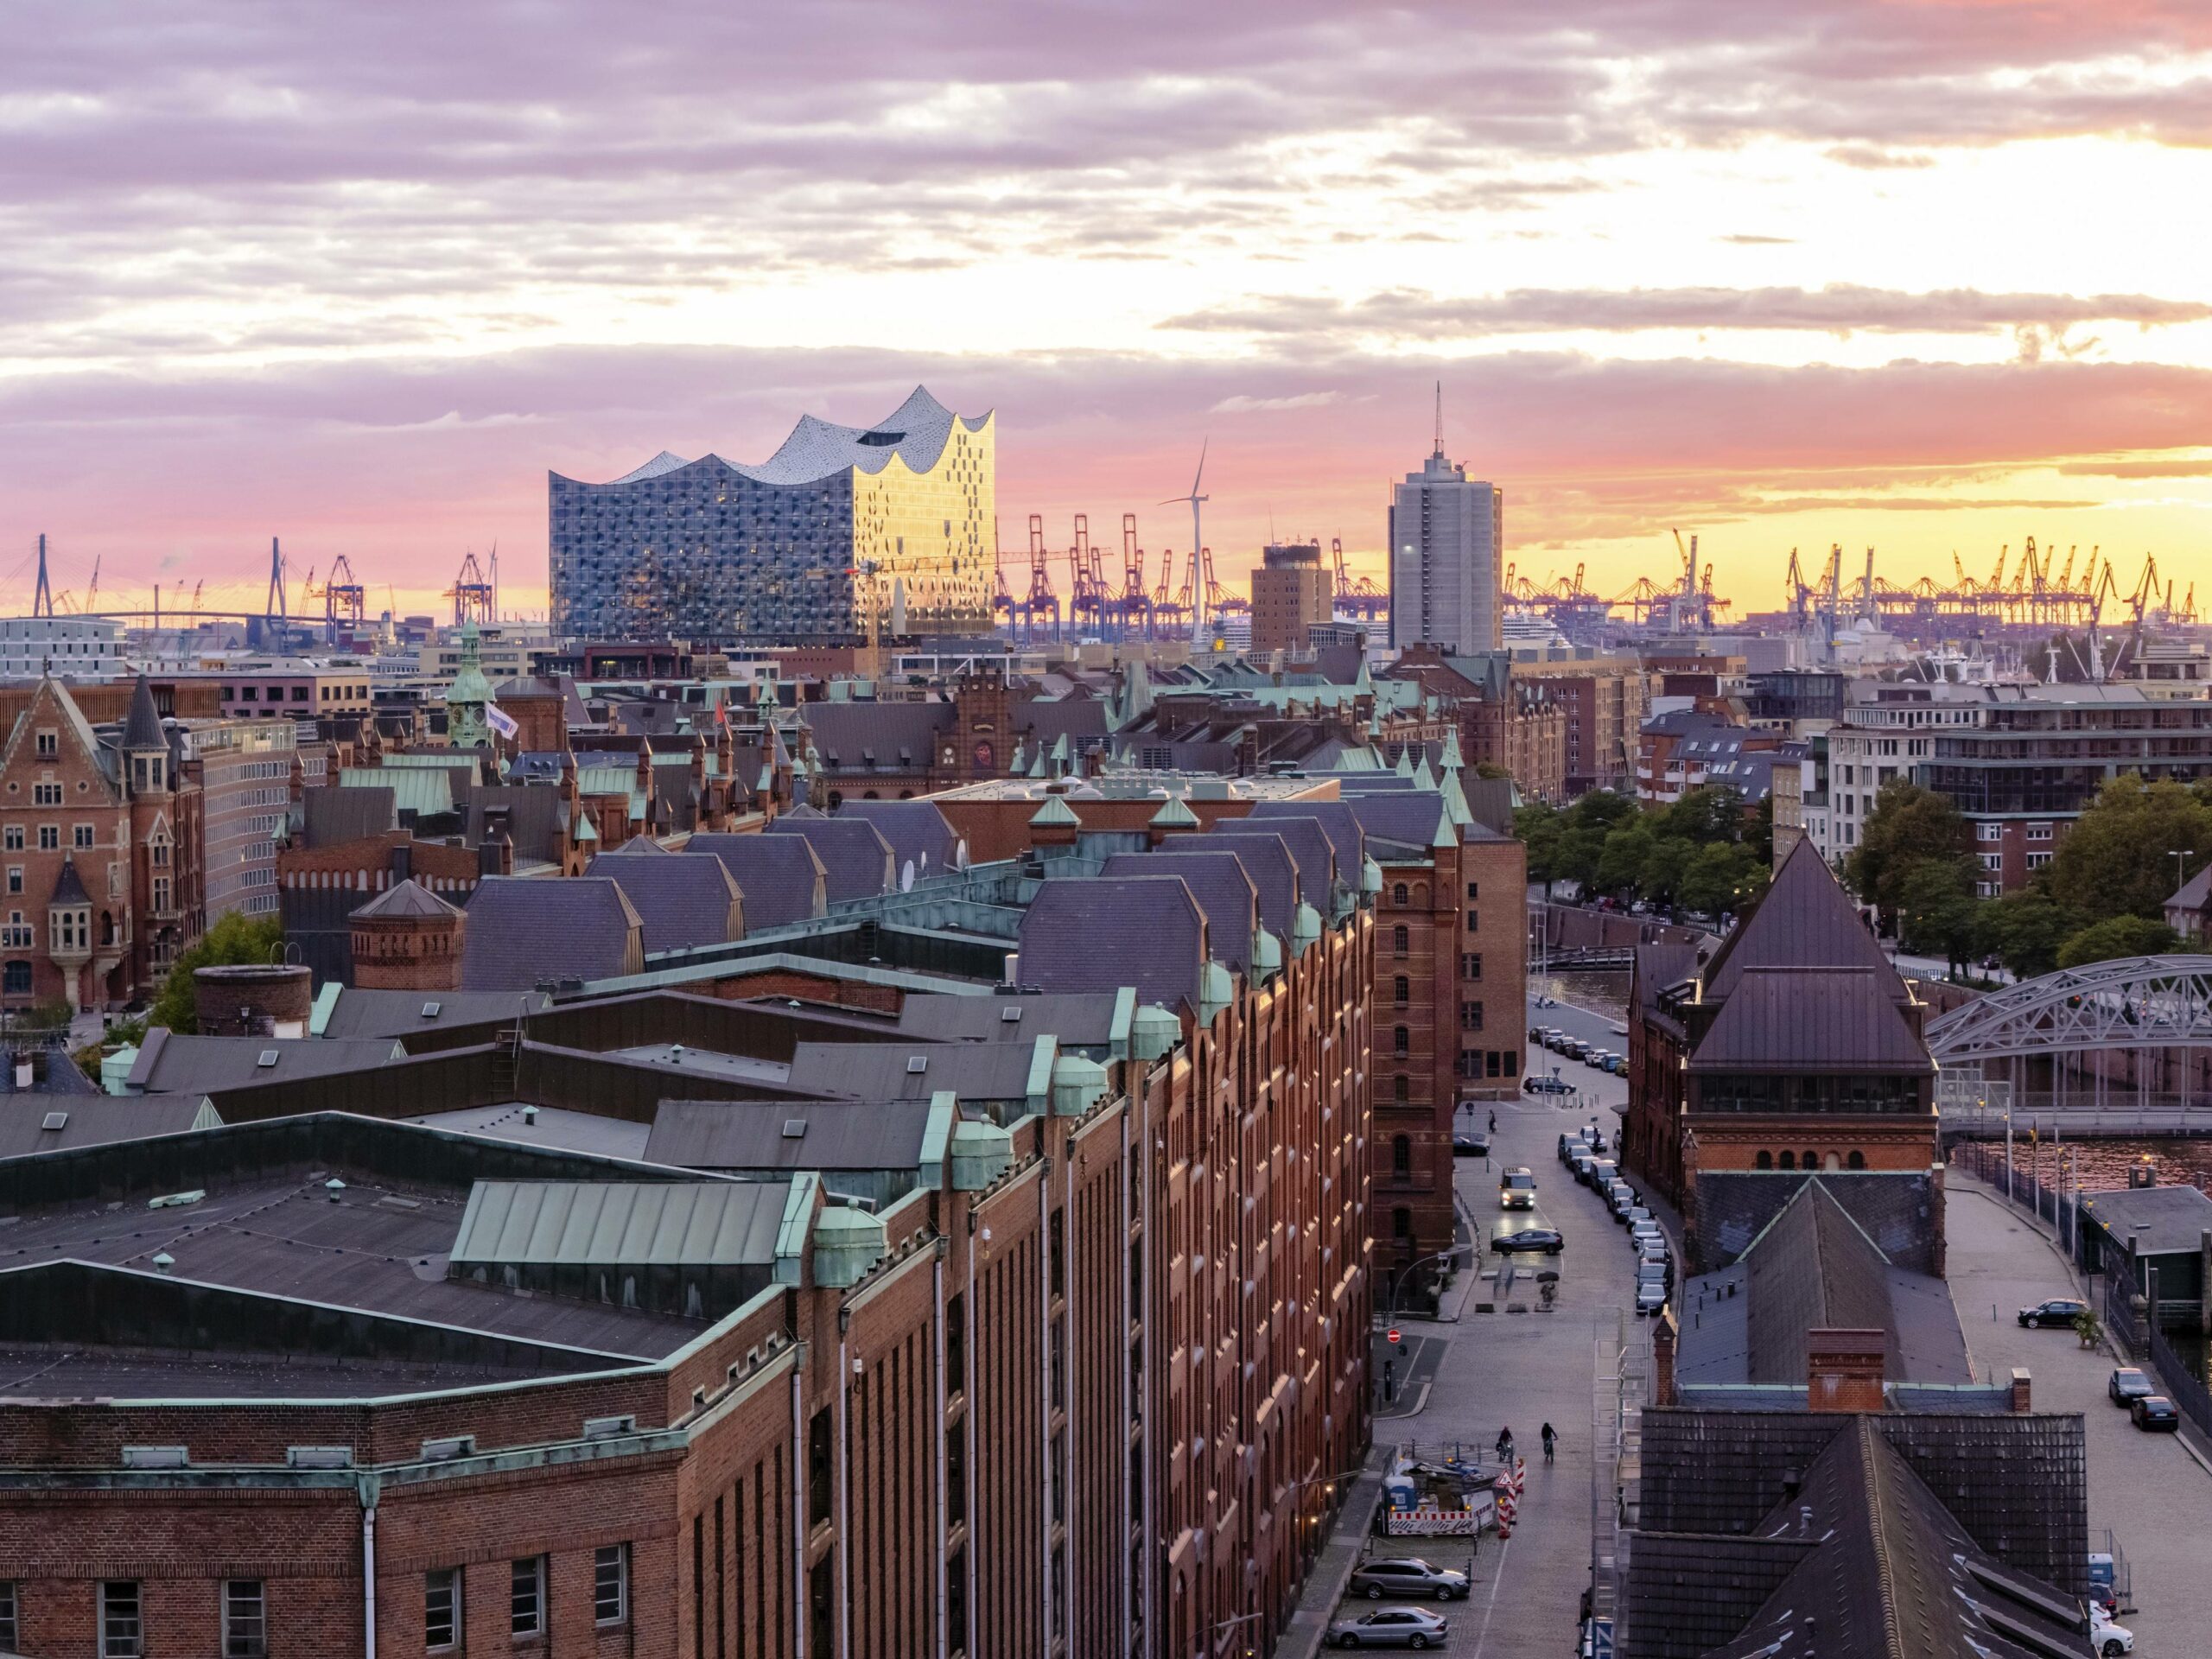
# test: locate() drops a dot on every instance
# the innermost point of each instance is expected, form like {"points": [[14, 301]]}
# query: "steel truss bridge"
{"points": [[2031, 1040]]}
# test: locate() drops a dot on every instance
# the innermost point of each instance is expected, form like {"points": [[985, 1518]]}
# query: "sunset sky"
{"points": [[1926, 277]]}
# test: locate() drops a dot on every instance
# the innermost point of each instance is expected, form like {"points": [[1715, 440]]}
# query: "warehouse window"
{"points": [[8, 1617], [245, 1619], [610, 1584], [441, 1608], [526, 1597], [122, 1632], [1402, 1158]]}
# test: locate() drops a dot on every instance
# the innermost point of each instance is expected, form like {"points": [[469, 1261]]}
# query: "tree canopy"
{"points": [[2117, 935], [2118, 858], [235, 938], [1909, 826]]}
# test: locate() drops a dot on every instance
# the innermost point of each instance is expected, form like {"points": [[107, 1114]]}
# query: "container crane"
{"points": [[473, 593], [1132, 606]]}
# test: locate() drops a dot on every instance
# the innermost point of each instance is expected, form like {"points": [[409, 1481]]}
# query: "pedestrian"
{"points": [[1549, 1438], [1493, 1120]]}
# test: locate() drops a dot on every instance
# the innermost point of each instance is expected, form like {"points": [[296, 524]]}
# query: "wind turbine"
{"points": [[1198, 543]]}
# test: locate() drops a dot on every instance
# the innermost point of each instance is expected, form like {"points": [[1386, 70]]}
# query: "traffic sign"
{"points": [[1392, 1337]]}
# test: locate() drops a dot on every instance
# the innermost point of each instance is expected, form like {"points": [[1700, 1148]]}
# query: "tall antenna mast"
{"points": [[1439, 418]]}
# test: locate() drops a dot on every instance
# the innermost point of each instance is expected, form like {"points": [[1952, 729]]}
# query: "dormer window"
{"points": [[50, 745]]}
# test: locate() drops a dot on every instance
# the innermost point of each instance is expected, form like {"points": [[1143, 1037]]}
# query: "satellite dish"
{"points": [[906, 877]]}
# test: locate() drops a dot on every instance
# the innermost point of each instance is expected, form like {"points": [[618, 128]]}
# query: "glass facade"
{"points": [[712, 553]]}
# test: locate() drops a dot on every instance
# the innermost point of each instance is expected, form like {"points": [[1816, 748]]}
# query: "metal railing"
{"points": [[2182, 1383]]}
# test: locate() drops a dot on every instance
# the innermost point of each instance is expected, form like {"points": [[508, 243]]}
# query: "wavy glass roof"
{"points": [[916, 432]]}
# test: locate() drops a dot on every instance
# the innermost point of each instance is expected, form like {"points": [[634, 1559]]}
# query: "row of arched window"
{"points": [[1811, 1160]]}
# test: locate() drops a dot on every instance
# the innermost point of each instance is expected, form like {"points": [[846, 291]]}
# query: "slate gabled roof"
{"points": [[919, 833], [1267, 858], [780, 876], [1813, 1270], [1338, 821], [682, 902], [524, 929], [1407, 816], [853, 852], [1217, 880], [1810, 1020], [334, 814], [756, 1135], [1804, 921], [1146, 932]]}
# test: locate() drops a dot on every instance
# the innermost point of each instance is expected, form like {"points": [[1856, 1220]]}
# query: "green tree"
{"points": [[2118, 859], [1660, 880], [1622, 862], [1709, 812], [1721, 879], [2023, 931], [1580, 847], [1909, 825], [1540, 828], [2116, 937], [235, 938], [1936, 913], [1760, 836], [1601, 809]]}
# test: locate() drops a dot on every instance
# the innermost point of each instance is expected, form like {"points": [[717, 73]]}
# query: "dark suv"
{"points": [[2060, 1310], [1406, 1577]]}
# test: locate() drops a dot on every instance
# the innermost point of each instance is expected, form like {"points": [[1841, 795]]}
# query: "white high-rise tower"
{"points": [[1447, 536]]}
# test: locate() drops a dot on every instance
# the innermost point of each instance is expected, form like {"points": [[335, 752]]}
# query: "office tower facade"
{"points": [[1447, 536], [1292, 590], [842, 523]]}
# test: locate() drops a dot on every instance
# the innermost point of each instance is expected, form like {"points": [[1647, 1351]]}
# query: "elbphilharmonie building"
{"points": [[894, 517]]}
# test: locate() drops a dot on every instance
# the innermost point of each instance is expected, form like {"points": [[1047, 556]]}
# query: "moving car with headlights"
{"points": [[1408, 1576], [1516, 1189]]}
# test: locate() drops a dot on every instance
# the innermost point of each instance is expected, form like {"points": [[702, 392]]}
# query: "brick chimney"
{"points": [[1843, 1369], [2020, 1403], [1939, 1256], [1664, 1335]]}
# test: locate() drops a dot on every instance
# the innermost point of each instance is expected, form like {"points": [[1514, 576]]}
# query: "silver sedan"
{"points": [[1391, 1627]]}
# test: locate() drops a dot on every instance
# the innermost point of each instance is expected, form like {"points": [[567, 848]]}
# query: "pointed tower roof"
{"points": [[1405, 767], [1805, 921], [1451, 760], [68, 888], [141, 729], [1423, 778], [1056, 810], [1175, 814], [408, 898]]}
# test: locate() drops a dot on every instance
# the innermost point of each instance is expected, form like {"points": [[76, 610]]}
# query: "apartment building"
{"points": [[2019, 761]]}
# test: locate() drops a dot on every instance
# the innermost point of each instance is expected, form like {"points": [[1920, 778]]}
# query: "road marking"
{"points": [[1491, 1606]]}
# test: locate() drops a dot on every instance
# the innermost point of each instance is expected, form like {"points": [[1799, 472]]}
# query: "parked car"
{"points": [[1569, 1144], [1391, 1627], [1470, 1144], [1516, 1189], [1641, 1232], [1580, 1165], [2059, 1310], [1623, 1198], [2129, 1383], [1527, 1241], [1639, 1213], [1595, 1135], [1617, 1064], [1603, 1173], [2154, 1413], [1408, 1576], [1655, 1272], [1650, 1298], [2107, 1638]]}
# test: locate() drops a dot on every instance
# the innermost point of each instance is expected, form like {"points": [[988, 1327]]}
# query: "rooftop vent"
{"points": [[318, 1457], [55, 1121], [155, 1457], [794, 1128], [608, 1428], [1009, 1014], [268, 1057], [917, 1064], [447, 1447], [430, 1010]]}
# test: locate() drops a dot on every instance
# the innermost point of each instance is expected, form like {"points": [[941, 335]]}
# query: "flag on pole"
{"points": [[500, 720]]}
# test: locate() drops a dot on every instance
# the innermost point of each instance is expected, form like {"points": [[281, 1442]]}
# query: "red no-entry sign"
{"points": [[1392, 1338]]}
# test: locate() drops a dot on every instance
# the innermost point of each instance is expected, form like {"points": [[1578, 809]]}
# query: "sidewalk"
{"points": [[1324, 1585]]}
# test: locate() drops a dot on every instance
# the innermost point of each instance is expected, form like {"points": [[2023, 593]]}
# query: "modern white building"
{"points": [[86, 647], [1447, 535]]}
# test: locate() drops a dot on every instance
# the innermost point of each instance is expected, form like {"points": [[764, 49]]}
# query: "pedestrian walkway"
{"points": [[2146, 1488], [1324, 1585]]}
